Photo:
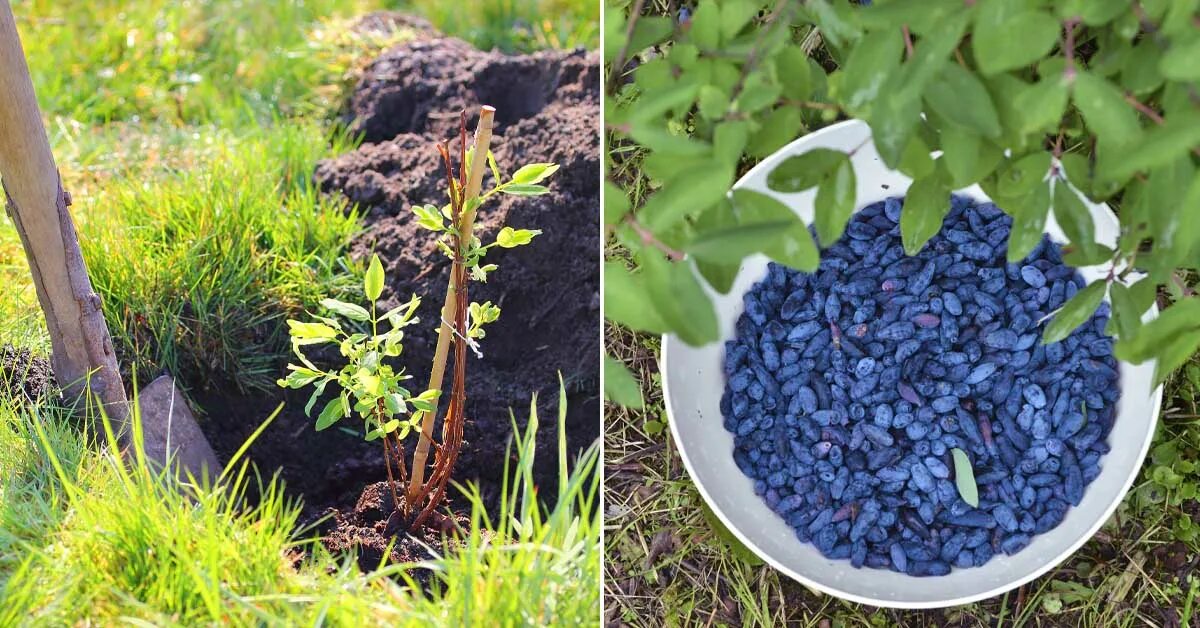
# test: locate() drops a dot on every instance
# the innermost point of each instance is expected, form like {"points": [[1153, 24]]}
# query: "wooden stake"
{"points": [[83, 357], [483, 140]]}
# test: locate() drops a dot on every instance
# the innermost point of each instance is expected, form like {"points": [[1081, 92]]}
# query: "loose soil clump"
{"points": [[368, 529], [24, 375], [410, 99]]}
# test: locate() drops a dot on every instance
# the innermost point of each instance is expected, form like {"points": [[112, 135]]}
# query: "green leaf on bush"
{"points": [[1042, 105], [1172, 323], [776, 129], [616, 203], [688, 193], [1074, 312], [1074, 218], [893, 120], [1179, 63], [1007, 36], [872, 61], [705, 29], [925, 207], [916, 161], [620, 386], [967, 157], [1029, 221], [964, 477], [1156, 147], [732, 244], [801, 172], [835, 202], [649, 31], [1104, 109], [627, 300], [960, 97], [792, 245], [660, 140], [678, 297], [795, 73]]}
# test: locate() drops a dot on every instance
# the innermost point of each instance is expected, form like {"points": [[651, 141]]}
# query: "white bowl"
{"points": [[694, 381]]}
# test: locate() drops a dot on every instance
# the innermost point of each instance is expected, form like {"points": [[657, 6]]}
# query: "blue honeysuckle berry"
{"points": [[846, 389]]}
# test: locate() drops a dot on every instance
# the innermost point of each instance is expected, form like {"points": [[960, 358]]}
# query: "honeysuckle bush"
{"points": [[368, 386], [1022, 98]]}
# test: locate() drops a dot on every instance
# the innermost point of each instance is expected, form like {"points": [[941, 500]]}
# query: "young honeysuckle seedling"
{"points": [[368, 385]]}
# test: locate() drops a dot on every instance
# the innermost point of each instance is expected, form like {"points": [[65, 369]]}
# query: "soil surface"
{"points": [[408, 100], [364, 530], [24, 375]]}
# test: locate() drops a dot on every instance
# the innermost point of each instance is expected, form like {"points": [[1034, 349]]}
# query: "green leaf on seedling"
{"points": [[801, 172], [300, 377], [620, 386], [373, 282], [426, 401], [835, 202], [509, 237], [1075, 312], [964, 477], [522, 189], [403, 313], [430, 217], [925, 207], [318, 390], [495, 168], [394, 403], [311, 331], [335, 410], [534, 173], [349, 310]]}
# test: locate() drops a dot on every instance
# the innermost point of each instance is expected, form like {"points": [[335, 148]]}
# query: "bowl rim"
{"points": [[669, 339]]}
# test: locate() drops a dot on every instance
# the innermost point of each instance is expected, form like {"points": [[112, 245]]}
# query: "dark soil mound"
{"points": [[24, 375], [410, 99]]}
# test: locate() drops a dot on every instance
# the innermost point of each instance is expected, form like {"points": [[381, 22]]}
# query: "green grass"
{"points": [[226, 251], [517, 25], [87, 537], [187, 133]]}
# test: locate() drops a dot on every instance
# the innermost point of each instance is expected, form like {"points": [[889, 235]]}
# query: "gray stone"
{"points": [[169, 426]]}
